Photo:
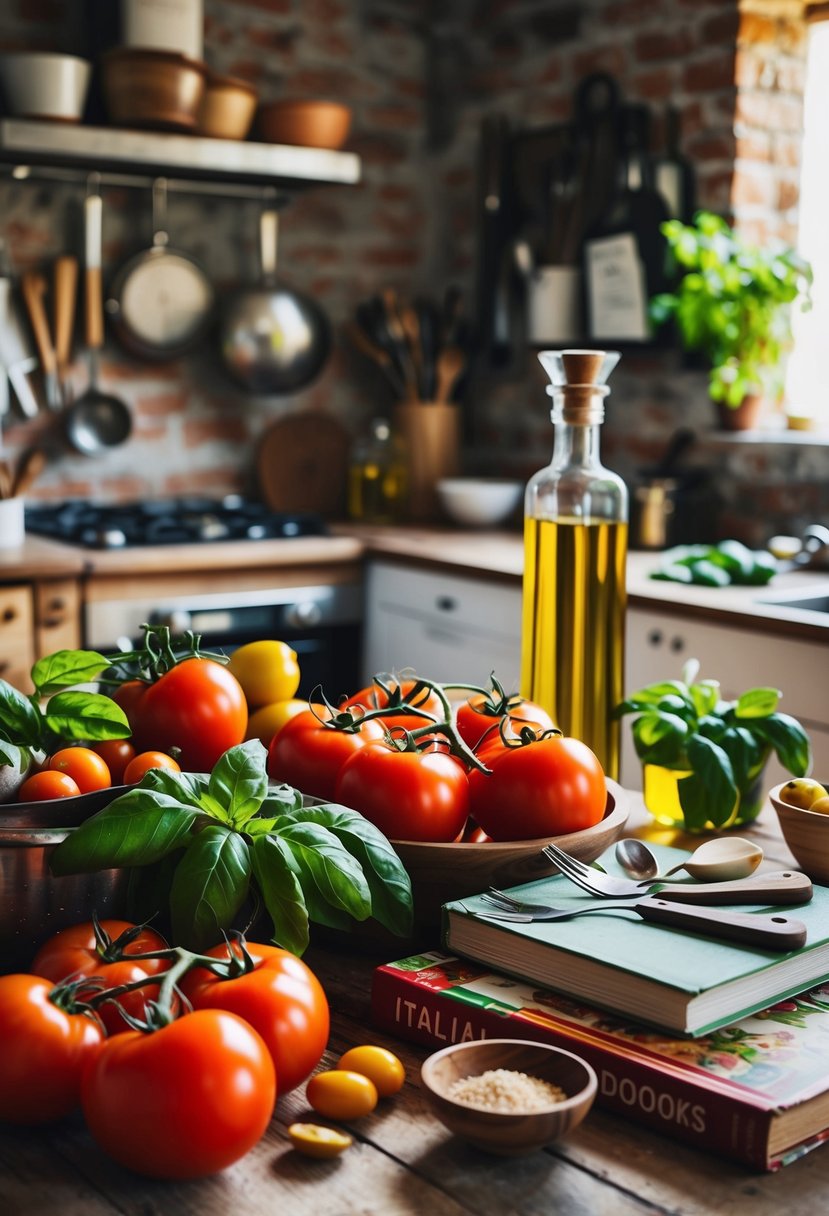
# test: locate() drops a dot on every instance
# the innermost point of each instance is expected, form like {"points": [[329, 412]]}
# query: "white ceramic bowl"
{"points": [[45, 84], [478, 502]]}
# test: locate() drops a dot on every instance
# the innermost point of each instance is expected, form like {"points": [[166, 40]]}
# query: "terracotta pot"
{"points": [[745, 417]]}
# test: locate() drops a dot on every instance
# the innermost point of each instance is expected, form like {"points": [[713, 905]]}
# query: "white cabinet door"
{"points": [[658, 645], [446, 627]]}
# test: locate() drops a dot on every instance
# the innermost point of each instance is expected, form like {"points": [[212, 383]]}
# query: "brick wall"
{"points": [[420, 89]]}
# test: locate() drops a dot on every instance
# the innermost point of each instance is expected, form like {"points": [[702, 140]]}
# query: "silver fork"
{"points": [[780, 887]]}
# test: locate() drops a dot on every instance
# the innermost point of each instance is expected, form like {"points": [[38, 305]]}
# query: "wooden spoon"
{"points": [[32, 464], [450, 363]]}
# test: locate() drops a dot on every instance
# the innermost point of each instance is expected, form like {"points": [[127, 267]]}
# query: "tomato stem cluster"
{"points": [[159, 654]]}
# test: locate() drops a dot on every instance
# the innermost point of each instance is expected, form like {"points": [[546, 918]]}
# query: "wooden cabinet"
{"points": [[447, 627], [659, 643], [17, 639]]}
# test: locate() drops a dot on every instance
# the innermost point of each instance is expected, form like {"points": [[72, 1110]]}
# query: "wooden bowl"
{"points": [[441, 872], [152, 89], [806, 833], [313, 124], [509, 1135], [227, 107]]}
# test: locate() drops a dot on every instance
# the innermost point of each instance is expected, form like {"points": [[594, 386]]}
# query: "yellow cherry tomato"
{"points": [[316, 1141], [339, 1094], [263, 723], [268, 671], [379, 1065]]}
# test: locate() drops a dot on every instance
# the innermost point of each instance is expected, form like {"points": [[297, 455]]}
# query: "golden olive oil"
{"points": [[573, 627]]}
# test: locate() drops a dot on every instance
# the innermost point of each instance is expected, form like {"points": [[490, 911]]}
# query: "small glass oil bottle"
{"points": [[575, 555], [378, 476]]}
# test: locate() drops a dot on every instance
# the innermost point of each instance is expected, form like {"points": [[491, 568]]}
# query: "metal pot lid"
{"points": [[165, 299]]}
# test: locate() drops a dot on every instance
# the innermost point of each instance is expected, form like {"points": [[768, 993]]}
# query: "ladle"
{"points": [[722, 860]]}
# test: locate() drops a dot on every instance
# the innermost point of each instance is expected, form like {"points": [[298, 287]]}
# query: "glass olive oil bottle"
{"points": [[575, 554]]}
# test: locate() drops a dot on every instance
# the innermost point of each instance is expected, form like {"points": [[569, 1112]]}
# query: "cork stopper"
{"points": [[578, 385]]}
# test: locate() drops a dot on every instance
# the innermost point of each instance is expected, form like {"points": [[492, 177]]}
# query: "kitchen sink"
{"points": [[803, 603]]}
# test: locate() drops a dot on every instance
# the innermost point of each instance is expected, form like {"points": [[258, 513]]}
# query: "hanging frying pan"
{"points": [[161, 300], [273, 339]]}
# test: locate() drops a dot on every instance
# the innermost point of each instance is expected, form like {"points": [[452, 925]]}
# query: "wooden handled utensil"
{"points": [[31, 465], [65, 294], [449, 365], [33, 286]]}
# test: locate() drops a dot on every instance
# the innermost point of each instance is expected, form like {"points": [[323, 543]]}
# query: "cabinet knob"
{"points": [[655, 637], [9, 614], [677, 645], [446, 603]]}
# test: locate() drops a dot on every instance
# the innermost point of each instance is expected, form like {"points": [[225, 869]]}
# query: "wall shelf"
{"points": [[219, 166]]}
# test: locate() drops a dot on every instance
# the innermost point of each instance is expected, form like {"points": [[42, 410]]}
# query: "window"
{"points": [[807, 381]]}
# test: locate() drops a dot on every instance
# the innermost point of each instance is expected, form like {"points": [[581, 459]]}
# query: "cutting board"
{"points": [[302, 464]]}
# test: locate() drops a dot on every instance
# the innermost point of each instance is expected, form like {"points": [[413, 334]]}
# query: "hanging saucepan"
{"points": [[161, 300], [273, 340]]}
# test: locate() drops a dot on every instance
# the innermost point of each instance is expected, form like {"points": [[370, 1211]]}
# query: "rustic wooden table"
{"points": [[403, 1161]]}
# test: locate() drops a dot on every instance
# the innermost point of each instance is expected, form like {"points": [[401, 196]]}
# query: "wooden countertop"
{"points": [[403, 1161], [489, 555]]}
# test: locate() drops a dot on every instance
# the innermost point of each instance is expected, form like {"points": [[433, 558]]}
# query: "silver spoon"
{"points": [[720, 860]]}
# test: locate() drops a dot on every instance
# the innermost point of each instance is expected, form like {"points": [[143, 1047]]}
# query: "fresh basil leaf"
{"points": [[20, 721], [281, 893], [789, 740], [739, 748], [259, 826], [659, 738], [86, 715], [656, 692], [65, 668], [187, 788], [705, 696], [281, 799], [388, 881], [331, 878], [675, 705], [758, 703], [136, 829], [239, 781], [148, 890], [209, 887], [711, 791], [712, 727]]}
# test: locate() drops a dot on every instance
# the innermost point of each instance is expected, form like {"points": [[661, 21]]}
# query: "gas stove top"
{"points": [[172, 521]]}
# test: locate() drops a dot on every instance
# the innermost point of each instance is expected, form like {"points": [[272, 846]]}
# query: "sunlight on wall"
{"points": [[807, 389]]}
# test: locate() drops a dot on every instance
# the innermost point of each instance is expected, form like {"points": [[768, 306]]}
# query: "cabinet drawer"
{"points": [[445, 627], [16, 636], [57, 616]]}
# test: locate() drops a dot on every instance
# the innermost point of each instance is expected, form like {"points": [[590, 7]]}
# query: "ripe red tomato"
{"points": [[144, 761], [197, 706], [74, 952], [407, 795], [184, 1101], [281, 998], [549, 787], [309, 755], [374, 697], [116, 754], [45, 1050], [47, 784], [87, 769], [476, 724]]}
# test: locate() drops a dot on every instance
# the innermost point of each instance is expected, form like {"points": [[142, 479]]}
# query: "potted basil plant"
{"points": [[732, 303], [703, 757]]}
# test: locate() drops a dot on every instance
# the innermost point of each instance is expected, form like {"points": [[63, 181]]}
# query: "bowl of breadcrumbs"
{"points": [[507, 1096]]}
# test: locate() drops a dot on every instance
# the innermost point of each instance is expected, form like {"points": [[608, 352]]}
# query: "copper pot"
{"points": [[152, 89]]}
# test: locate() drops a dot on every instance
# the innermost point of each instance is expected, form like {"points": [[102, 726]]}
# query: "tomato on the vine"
{"points": [[309, 755], [75, 952], [46, 1047], [281, 999], [408, 795], [86, 767], [478, 725], [549, 787], [197, 707], [375, 697], [184, 1101]]}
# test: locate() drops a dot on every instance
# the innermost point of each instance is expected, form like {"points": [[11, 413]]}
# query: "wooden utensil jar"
{"points": [[430, 431]]}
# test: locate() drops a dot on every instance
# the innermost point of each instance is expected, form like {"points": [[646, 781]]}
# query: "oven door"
{"points": [[323, 624]]}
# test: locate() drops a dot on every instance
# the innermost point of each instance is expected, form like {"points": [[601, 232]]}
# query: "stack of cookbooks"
{"points": [[755, 1091], [722, 1044]]}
